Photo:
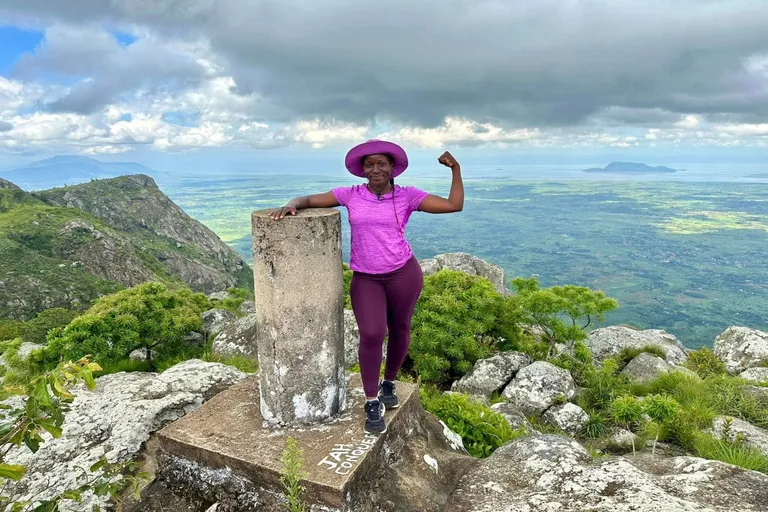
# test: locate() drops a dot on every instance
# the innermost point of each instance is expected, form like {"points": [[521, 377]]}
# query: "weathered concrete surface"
{"points": [[226, 436], [297, 269]]}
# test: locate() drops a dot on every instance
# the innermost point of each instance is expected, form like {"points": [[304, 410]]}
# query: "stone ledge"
{"points": [[227, 432]]}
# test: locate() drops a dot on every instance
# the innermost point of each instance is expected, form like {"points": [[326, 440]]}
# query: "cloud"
{"points": [[5, 126], [106, 69], [553, 63]]}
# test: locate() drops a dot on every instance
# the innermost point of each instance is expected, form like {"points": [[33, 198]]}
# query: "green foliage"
{"points": [[627, 354], [597, 426], [291, 475], [731, 452], [149, 316], [47, 399], [563, 312], [662, 409], [232, 303], [481, 428], [347, 273], [705, 363], [627, 411], [456, 322]]}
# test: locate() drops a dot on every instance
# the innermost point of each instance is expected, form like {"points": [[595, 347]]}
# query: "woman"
{"points": [[387, 279]]}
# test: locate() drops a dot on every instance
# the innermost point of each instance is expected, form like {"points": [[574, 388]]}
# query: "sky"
{"points": [[180, 83]]}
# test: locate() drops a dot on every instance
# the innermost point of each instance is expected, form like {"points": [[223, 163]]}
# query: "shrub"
{"points": [[481, 428], [627, 411], [662, 409], [705, 363], [149, 316], [456, 322]]}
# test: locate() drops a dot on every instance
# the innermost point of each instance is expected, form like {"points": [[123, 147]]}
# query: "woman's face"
{"points": [[378, 169]]}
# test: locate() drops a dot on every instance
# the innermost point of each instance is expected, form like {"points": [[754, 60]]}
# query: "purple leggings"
{"points": [[381, 303]]}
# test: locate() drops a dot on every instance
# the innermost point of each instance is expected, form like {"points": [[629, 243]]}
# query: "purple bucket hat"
{"points": [[354, 158]]}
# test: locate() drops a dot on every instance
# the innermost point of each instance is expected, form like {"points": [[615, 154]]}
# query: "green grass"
{"points": [[735, 453]]}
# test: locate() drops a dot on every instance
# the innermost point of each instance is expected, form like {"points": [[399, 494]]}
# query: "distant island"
{"points": [[630, 167]]}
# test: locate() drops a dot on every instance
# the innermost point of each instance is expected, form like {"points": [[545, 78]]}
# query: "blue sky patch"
{"points": [[182, 118], [124, 38], [13, 43]]}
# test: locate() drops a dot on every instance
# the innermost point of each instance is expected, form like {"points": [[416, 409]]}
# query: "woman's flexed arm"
{"points": [[455, 201]]}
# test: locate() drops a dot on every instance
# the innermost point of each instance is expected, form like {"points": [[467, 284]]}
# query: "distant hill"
{"points": [[630, 167], [69, 170], [67, 246]]}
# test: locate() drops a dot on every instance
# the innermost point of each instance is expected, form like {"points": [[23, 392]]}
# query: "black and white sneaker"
{"points": [[374, 417], [387, 394]]}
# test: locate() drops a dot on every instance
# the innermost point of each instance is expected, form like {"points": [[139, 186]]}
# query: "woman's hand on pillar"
{"points": [[282, 212]]}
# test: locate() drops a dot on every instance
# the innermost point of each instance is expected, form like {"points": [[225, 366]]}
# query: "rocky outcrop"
{"points": [[567, 417], [352, 340], [216, 321], [544, 473], [734, 428], [513, 415], [115, 420], [134, 204], [468, 264], [490, 375], [238, 338], [537, 386], [646, 367], [741, 348], [756, 375], [609, 341]]}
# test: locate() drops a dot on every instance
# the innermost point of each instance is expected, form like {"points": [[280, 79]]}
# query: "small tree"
{"points": [[291, 476], [627, 411], [562, 312], [149, 317], [661, 409]]}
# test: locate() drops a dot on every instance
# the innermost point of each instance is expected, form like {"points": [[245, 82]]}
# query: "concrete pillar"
{"points": [[299, 306]]}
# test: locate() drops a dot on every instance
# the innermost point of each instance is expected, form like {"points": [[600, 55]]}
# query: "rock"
{"points": [[238, 339], [537, 386], [468, 264], [568, 417], [741, 348], [543, 473], [8, 185], [248, 307], [753, 436], [219, 295], [115, 420], [646, 367], [194, 339], [621, 440], [216, 320], [609, 341], [756, 375], [513, 415], [140, 354], [25, 349], [759, 392], [492, 374]]}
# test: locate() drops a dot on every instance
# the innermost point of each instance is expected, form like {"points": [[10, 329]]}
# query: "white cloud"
{"points": [[459, 131]]}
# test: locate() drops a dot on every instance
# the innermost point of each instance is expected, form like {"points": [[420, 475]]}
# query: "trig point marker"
{"points": [[299, 298]]}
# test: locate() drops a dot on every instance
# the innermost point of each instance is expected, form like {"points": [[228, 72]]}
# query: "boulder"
{"points": [[238, 339], [248, 307], [741, 348], [194, 339], [621, 440], [219, 295], [490, 375], [216, 320], [756, 375], [513, 415], [114, 420], [753, 436], [567, 417], [541, 473], [463, 262], [537, 386], [646, 367], [140, 354], [609, 341]]}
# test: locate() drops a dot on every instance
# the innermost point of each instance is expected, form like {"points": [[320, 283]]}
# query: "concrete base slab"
{"points": [[227, 432]]}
